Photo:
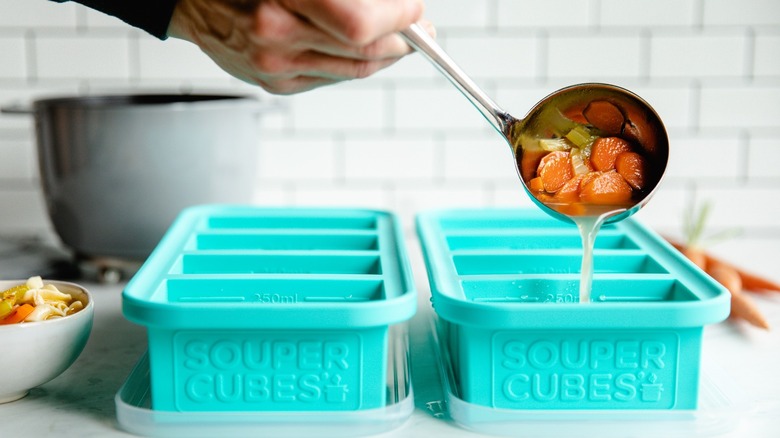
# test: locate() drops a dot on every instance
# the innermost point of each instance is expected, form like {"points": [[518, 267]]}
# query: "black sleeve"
{"points": [[152, 16]]}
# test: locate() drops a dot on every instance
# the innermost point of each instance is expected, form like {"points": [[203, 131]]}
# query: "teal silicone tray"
{"points": [[505, 285], [262, 309]]}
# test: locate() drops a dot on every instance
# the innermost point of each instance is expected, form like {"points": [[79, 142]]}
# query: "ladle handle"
{"points": [[419, 39]]}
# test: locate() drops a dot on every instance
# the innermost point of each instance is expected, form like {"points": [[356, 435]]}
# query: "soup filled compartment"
{"points": [[277, 319], [517, 347]]}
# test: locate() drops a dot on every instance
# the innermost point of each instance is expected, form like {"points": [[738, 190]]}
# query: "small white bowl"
{"points": [[34, 353]]}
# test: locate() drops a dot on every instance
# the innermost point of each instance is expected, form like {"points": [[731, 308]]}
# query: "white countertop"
{"points": [[80, 403]]}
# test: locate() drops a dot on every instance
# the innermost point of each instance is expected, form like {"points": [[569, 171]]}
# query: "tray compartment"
{"points": [[541, 289], [280, 263], [558, 262], [273, 290], [286, 240], [523, 239]]}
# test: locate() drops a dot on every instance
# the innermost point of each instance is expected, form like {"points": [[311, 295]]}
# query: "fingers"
{"points": [[285, 76], [293, 85], [287, 31], [289, 46], [358, 22]]}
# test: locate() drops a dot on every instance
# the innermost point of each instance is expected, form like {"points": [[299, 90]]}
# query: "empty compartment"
{"points": [[286, 241], [647, 289], [273, 291], [270, 221], [280, 264], [526, 239], [554, 263], [525, 290], [566, 290]]}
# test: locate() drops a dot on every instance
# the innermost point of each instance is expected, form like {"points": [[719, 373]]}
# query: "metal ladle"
{"points": [[645, 124]]}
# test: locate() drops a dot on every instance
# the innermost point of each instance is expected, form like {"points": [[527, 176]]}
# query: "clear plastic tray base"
{"points": [[134, 414]]}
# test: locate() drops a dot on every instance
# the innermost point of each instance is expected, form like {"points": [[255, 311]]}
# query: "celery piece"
{"points": [[15, 293], [5, 308], [580, 136], [554, 144], [578, 162], [585, 150]]}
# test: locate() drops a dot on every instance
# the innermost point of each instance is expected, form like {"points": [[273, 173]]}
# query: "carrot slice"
{"points": [[638, 129], [529, 163], [536, 185], [18, 315], [587, 178], [605, 116], [555, 169], [606, 188], [570, 209], [570, 191], [605, 151], [633, 168], [575, 114]]}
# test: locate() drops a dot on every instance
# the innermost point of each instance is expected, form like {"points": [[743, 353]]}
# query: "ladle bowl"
{"points": [[641, 124]]}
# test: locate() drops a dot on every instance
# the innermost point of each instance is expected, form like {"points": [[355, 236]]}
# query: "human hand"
{"points": [[290, 46]]}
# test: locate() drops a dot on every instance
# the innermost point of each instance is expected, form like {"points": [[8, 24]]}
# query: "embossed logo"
{"points": [[574, 371], [265, 371]]}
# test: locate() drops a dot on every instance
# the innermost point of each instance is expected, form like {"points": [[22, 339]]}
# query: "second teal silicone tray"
{"points": [[505, 286], [262, 309]]}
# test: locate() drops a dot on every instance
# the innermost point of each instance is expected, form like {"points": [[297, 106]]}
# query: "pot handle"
{"points": [[16, 108]]}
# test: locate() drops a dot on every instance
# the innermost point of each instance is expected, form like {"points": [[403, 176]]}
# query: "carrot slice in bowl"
{"points": [[633, 168], [18, 315], [570, 191], [605, 151], [607, 188], [605, 116], [555, 170]]}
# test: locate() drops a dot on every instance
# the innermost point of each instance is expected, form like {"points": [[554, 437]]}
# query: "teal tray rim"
{"points": [[137, 306], [712, 305]]}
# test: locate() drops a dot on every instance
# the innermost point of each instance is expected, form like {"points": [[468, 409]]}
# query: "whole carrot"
{"points": [[757, 284], [696, 255], [750, 281], [742, 307]]}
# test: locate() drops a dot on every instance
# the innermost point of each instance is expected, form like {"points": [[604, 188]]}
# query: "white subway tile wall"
{"points": [[405, 140]]}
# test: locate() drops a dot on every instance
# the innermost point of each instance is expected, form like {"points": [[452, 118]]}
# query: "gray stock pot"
{"points": [[117, 169]]}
